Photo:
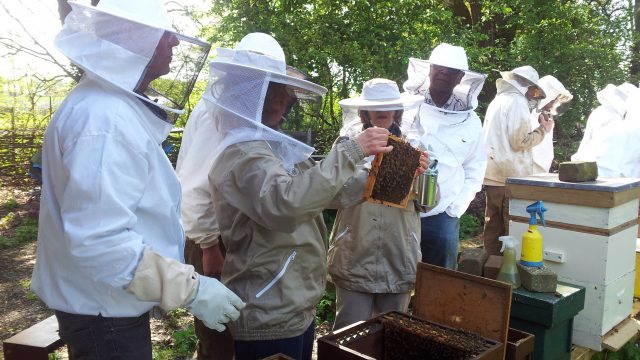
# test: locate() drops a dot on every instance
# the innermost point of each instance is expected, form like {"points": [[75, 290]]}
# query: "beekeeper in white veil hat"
{"points": [[110, 240], [454, 136], [553, 105], [370, 260], [613, 108], [510, 138], [268, 195]]}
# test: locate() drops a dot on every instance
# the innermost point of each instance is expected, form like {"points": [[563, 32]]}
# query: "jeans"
{"points": [[90, 337], [439, 240], [299, 347]]}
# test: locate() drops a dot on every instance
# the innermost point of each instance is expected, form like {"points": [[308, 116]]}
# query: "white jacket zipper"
{"points": [[277, 277]]}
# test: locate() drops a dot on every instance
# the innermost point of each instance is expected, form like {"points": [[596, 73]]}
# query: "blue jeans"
{"points": [[439, 240], [90, 337], [298, 347]]}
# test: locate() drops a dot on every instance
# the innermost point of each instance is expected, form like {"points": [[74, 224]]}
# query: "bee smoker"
{"points": [[427, 184]]}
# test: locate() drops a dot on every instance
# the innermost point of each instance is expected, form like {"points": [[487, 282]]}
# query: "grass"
{"points": [[10, 204], [26, 286]]}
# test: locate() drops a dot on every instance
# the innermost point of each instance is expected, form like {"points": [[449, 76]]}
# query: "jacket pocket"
{"points": [[279, 275], [339, 253]]}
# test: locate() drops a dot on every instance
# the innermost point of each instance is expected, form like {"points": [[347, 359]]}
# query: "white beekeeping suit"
{"points": [[110, 241], [543, 152], [612, 109], [616, 149]]}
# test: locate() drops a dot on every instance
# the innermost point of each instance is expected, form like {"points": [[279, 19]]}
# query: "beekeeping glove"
{"points": [[214, 304], [174, 284]]}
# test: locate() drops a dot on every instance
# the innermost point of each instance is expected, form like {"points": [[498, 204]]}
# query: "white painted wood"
{"points": [[601, 218], [605, 307], [588, 258]]}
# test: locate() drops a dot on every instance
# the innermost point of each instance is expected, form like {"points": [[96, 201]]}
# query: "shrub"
{"points": [[326, 308], [469, 226]]}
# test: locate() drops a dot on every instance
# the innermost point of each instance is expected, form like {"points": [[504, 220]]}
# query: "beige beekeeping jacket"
{"points": [[272, 227], [508, 135], [375, 248]]}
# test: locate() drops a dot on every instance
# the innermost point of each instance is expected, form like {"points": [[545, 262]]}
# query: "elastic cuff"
{"points": [[354, 152]]}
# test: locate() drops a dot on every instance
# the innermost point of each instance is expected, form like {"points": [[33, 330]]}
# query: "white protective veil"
{"points": [[612, 109], [467, 91], [116, 42], [235, 95], [380, 95], [554, 90]]}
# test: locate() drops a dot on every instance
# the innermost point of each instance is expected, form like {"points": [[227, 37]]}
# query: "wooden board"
{"points": [[572, 196], [463, 301], [621, 334], [375, 175]]}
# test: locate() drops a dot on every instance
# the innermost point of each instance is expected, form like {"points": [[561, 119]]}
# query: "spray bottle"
{"points": [[509, 271], [532, 240]]}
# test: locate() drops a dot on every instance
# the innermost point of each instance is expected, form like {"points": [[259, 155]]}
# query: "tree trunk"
{"points": [[634, 69]]}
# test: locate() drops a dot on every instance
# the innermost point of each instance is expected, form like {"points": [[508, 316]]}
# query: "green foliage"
{"points": [[630, 351], [185, 341], [6, 242], [26, 286], [53, 356], [10, 205], [7, 221], [326, 308], [341, 44], [469, 226], [28, 231]]}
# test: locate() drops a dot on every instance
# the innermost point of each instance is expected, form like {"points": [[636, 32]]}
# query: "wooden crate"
{"points": [[366, 340], [400, 178], [589, 241]]}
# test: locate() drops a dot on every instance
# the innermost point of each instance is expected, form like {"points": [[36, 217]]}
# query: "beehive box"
{"points": [[395, 336], [391, 177], [589, 241], [463, 301]]}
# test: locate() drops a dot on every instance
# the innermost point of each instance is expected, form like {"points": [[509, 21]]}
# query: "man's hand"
{"points": [[546, 121], [373, 141], [424, 163], [212, 260]]}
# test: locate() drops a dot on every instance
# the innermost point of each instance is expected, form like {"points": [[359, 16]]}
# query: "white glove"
{"points": [[214, 304]]}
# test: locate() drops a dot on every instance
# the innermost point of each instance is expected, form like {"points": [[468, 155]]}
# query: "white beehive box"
{"points": [[589, 241]]}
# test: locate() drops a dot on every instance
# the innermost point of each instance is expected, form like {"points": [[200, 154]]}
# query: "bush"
{"points": [[469, 226], [326, 308]]}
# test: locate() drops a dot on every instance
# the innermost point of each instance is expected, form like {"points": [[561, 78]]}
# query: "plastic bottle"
{"points": [[509, 271], [532, 239]]}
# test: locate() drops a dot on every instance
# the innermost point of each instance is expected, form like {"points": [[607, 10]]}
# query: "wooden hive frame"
{"points": [[403, 176]]}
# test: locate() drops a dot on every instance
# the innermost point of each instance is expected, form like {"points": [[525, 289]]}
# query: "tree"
{"points": [[342, 44]]}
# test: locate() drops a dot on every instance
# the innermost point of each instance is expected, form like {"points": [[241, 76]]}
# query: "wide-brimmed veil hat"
{"points": [[451, 56], [378, 95], [554, 90], [116, 40], [381, 95], [235, 95], [525, 76]]}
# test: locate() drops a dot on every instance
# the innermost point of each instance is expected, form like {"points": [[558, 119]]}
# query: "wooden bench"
{"points": [[34, 343]]}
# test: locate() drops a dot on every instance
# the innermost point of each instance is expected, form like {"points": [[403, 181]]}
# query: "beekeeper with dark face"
{"points": [[269, 196], [453, 133], [109, 239]]}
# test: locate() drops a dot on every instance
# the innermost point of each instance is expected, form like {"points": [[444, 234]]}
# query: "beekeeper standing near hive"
{"points": [[269, 195], [374, 248], [553, 105], [109, 238], [454, 135], [510, 137]]}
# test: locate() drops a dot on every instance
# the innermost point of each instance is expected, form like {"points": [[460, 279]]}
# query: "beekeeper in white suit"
{"points": [[110, 239], [268, 196], [509, 137], [612, 109], [553, 105]]}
